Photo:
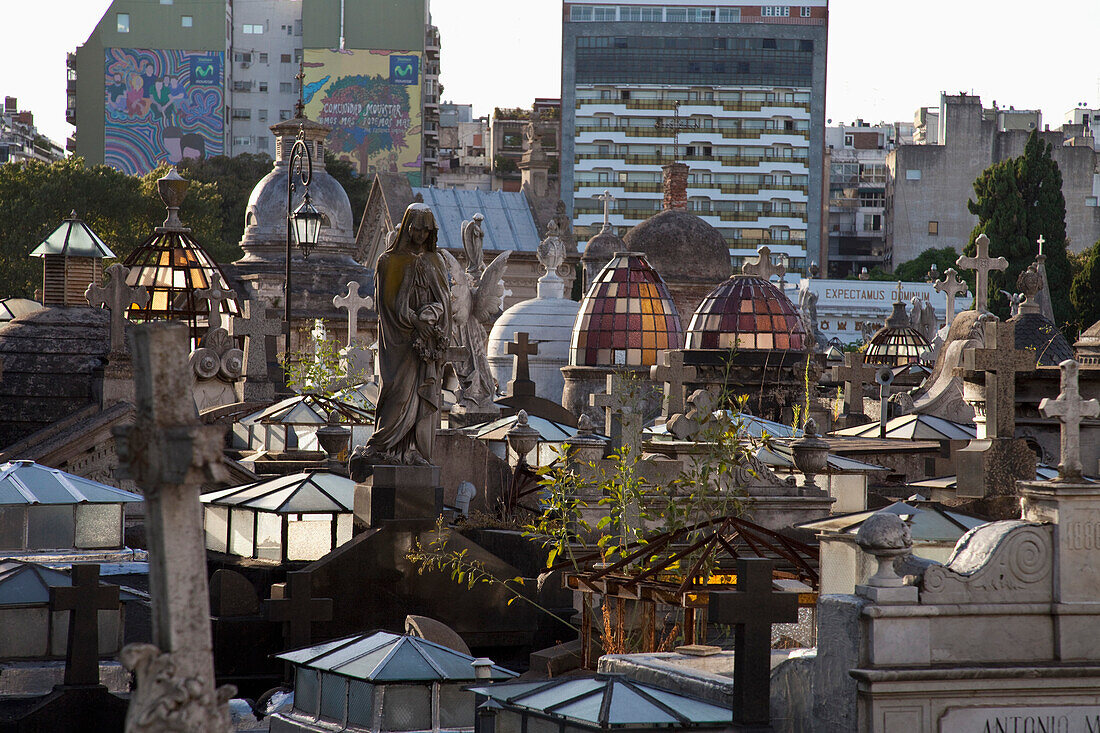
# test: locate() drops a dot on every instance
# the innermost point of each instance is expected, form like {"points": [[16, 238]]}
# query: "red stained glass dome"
{"points": [[626, 317], [747, 313]]}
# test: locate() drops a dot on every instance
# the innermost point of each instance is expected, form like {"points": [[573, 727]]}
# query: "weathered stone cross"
{"points": [[951, 286], [670, 371], [982, 264], [520, 385], [170, 455], [118, 297], [214, 295], [751, 610], [855, 373], [1041, 241], [622, 422], [298, 609], [256, 326], [1000, 360], [606, 198], [83, 600], [763, 267], [1070, 409], [353, 302]]}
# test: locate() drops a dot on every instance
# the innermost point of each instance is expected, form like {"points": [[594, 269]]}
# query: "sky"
{"points": [[886, 58]]}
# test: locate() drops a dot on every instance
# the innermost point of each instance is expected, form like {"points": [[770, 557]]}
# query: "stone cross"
{"points": [[353, 302], [297, 609], [1041, 241], [670, 371], [170, 455], [982, 264], [214, 295], [855, 373], [1070, 409], [118, 297], [763, 267], [83, 600], [751, 610], [606, 198], [951, 286], [622, 421], [1000, 360], [255, 325], [520, 385]]}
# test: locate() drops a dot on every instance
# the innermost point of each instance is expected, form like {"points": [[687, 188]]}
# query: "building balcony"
{"points": [[728, 160], [671, 104], [659, 132], [656, 187]]}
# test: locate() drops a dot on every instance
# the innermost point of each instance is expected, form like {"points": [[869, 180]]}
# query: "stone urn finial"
{"points": [[811, 456], [522, 438], [885, 536], [173, 190]]}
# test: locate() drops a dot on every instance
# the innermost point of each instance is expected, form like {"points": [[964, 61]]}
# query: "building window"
{"points": [[297, 55], [805, 12], [241, 141], [263, 58], [284, 58], [729, 15], [580, 13], [933, 229], [123, 20], [849, 140], [261, 115], [603, 15], [263, 86], [286, 87], [252, 30], [242, 114], [912, 174], [1090, 201], [166, 2], [776, 11], [284, 114], [261, 143], [644, 15], [187, 21]]}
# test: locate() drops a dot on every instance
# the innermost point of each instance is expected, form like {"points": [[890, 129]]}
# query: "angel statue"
{"points": [[414, 323], [477, 298]]}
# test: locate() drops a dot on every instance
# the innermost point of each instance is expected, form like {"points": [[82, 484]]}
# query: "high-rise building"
{"points": [[172, 79], [732, 88], [20, 139]]}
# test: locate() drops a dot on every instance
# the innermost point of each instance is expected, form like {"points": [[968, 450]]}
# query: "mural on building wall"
{"points": [[162, 106], [371, 100]]}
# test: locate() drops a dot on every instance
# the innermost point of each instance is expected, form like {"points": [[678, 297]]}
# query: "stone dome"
{"points": [[626, 317], [265, 216], [681, 246], [603, 246], [897, 343], [747, 312]]}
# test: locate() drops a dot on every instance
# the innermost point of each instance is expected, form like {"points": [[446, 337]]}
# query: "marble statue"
{"points": [[413, 301], [922, 317], [807, 308], [477, 298]]}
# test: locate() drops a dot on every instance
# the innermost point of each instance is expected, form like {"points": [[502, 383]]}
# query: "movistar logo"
{"points": [[207, 70], [404, 69]]}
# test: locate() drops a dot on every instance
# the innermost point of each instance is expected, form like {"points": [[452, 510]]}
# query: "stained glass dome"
{"points": [[897, 343], [747, 313], [626, 317]]}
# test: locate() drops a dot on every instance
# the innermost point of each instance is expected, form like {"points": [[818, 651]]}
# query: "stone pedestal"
{"points": [[398, 493], [992, 466], [462, 417]]}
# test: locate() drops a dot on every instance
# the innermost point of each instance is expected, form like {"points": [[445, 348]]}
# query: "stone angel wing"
{"points": [[489, 299], [461, 293]]}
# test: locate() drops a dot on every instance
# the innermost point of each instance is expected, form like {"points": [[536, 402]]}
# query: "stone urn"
{"points": [[333, 439], [522, 438], [811, 457], [885, 536]]}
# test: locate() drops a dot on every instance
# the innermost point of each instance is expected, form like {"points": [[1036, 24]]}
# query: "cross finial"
{"points": [[763, 267], [521, 385], [673, 374], [300, 105], [606, 198], [899, 291], [298, 609], [1070, 410], [855, 373], [622, 423], [1041, 241], [982, 264], [951, 286], [83, 600], [118, 297], [1000, 360], [353, 302], [214, 296]]}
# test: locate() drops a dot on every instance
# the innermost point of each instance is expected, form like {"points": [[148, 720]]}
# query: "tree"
{"points": [[123, 210], [916, 270], [234, 178], [1084, 292], [356, 186], [1019, 200]]}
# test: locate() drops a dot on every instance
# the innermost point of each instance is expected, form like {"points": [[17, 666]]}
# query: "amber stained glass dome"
{"points": [[626, 317], [897, 343], [747, 313]]}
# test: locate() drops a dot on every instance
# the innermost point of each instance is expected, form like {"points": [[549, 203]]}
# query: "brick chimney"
{"points": [[675, 186]]}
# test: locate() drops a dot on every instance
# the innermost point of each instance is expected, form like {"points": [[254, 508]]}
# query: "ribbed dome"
{"points": [[681, 246], [603, 246], [1035, 331], [626, 317], [897, 343], [747, 313]]}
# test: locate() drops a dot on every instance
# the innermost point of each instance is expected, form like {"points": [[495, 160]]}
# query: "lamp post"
{"points": [[303, 224]]}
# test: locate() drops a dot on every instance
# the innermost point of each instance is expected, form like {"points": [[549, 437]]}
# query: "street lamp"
{"points": [[303, 224]]}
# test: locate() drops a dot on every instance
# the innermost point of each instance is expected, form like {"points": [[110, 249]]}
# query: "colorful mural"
{"points": [[162, 106], [371, 100]]}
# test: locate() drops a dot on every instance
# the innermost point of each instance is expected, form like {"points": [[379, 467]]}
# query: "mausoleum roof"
{"points": [[28, 584], [1036, 331], [26, 482], [315, 492], [383, 657], [603, 246], [747, 313], [508, 222], [626, 317], [73, 238], [897, 343], [681, 246]]}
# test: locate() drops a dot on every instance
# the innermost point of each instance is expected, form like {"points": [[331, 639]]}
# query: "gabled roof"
{"points": [[781, 454], [11, 308], [914, 427], [607, 701], [508, 222], [26, 482], [928, 522], [314, 492], [384, 657], [73, 238], [550, 431], [28, 584], [311, 409]]}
